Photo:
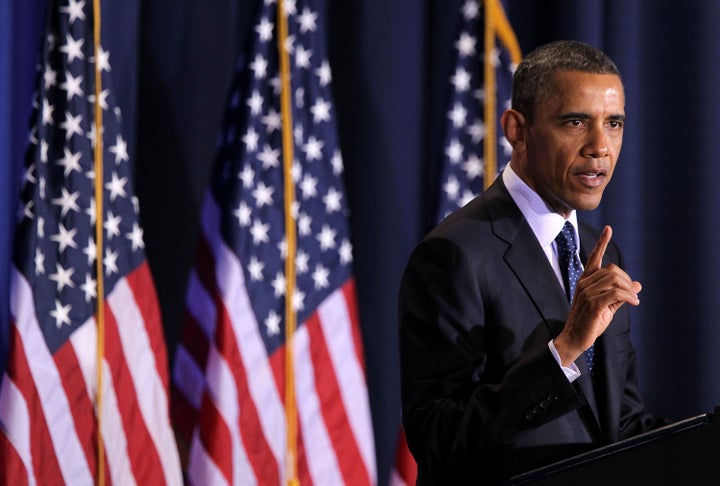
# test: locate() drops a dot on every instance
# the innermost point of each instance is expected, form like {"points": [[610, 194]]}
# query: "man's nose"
{"points": [[597, 144]]}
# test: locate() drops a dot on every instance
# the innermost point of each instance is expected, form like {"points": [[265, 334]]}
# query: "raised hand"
{"points": [[599, 293]]}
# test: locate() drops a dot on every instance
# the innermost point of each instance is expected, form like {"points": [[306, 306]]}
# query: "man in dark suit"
{"points": [[495, 373]]}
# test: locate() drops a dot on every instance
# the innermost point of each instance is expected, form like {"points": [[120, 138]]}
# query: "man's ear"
{"points": [[513, 123]]}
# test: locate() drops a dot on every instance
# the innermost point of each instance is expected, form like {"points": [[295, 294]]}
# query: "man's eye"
{"points": [[616, 124]]}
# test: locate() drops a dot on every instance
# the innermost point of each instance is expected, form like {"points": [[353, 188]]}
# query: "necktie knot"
{"points": [[566, 240], [570, 265]]}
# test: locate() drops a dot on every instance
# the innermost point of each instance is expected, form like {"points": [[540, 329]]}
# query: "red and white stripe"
{"points": [[404, 471], [229, 392], [48, 426]]}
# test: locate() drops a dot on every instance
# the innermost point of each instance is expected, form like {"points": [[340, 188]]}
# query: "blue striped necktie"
{"points": [[571, 268]]}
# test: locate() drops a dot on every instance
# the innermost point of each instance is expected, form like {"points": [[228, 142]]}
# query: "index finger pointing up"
{"points": [[594, 262]]}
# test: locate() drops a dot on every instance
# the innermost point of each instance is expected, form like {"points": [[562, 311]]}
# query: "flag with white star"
{"points": [[53, 415], [464, 162], [230, 374]]}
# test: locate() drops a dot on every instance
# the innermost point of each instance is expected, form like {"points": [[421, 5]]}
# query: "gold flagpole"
{"points": [[291, 239], [496, 25], [100, 356]]}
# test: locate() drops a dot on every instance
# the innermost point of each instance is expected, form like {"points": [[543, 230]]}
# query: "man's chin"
{"points": [[588, 204]]}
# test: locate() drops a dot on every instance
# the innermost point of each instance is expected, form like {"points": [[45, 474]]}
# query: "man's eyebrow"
{"points": [[578, 115], [574, 115]]}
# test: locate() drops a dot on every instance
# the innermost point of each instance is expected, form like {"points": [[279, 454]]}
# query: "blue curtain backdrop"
{"points": [[172, 61]]}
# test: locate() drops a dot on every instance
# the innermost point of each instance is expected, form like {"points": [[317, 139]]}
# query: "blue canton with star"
{"points": [[55, 247], [463, 164]]}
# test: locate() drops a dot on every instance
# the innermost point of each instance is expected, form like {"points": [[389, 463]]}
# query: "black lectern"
{"points": [[683, 453]]}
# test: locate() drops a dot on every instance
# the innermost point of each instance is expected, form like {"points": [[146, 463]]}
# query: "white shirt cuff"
{"points": [[572, 372]]}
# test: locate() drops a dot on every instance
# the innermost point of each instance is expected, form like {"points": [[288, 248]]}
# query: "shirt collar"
{"points": [[545, 223]]}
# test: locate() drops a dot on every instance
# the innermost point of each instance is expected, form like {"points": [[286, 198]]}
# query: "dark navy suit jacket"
{"points": [[483, 397]]}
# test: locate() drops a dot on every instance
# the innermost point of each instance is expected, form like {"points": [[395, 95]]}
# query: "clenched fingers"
{"points": [[611, 280]]}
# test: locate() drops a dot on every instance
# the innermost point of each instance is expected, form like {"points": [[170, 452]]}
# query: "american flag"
{"points": [[229, 376], [464, 162], [49, 400]]}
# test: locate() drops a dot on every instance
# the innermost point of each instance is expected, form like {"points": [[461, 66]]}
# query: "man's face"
{"points": [[574, 140]]}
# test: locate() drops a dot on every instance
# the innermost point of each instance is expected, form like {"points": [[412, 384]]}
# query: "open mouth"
{"points": [[592, 178]]}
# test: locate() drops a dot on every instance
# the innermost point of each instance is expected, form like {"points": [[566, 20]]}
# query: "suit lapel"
{"points": [[525, 257], [528, 261]]}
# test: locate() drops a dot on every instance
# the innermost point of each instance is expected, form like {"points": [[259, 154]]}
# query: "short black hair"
{"points": [[533, 78]]}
